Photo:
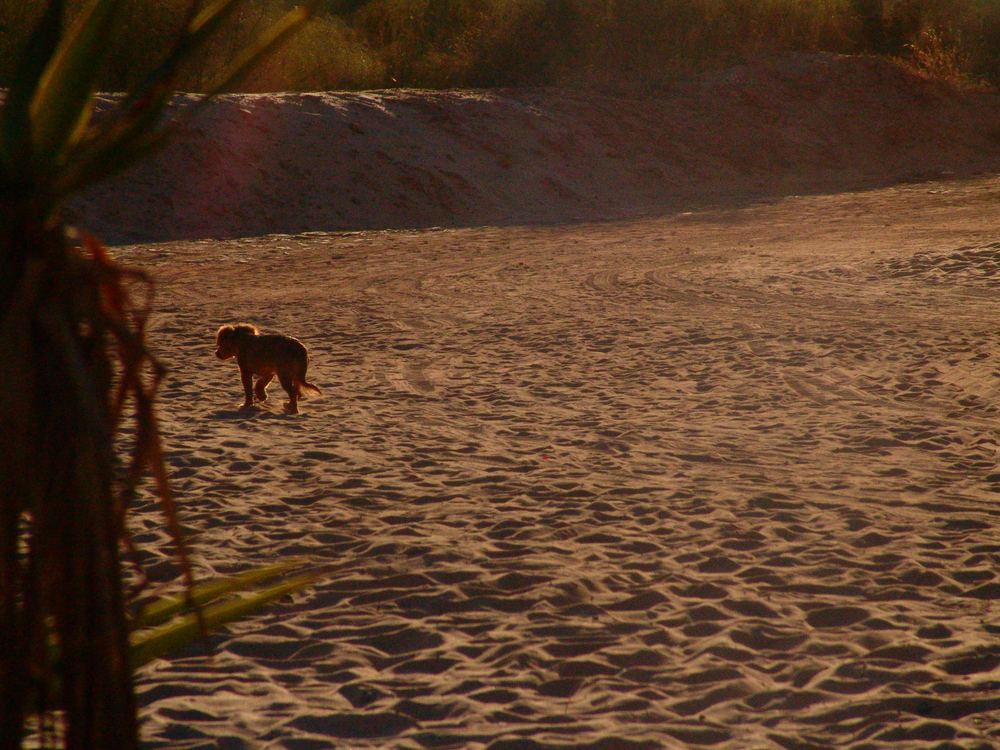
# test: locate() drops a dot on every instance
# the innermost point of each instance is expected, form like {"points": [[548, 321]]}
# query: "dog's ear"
{"points": [[224, 332], [242, 330]]}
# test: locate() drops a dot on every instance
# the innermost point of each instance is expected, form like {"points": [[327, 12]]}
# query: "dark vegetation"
{"points": [[360, 44]]}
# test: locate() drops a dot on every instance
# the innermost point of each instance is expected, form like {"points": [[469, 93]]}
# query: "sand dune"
{"points": [[719, 478], [287, 163]]}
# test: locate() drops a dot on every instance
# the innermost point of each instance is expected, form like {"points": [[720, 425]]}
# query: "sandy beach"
{"points": [[662, 440]]}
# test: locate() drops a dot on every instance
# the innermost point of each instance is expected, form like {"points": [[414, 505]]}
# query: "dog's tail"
{"points": [[302, 384]]}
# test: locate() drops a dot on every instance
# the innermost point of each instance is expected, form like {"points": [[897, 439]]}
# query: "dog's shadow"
{"points": [[246, 414]]}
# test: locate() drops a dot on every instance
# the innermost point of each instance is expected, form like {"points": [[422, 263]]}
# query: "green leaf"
{"points": [[153, 643], [166, 607], [61, 106], [208, 18], [130, 136], [200, 27], [152, 639], [265, 43], [113, 150], [15, 136]]}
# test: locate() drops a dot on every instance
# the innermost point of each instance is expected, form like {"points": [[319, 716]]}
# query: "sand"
{"points": [[723, 475]]}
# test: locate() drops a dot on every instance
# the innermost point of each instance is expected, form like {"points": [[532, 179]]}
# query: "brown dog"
{"points": [[265, 356]]}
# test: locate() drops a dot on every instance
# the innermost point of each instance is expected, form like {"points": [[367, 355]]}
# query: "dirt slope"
{"points": [[274, 163]]}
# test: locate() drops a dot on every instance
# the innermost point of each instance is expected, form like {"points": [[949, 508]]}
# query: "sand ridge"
{"points": [[287, 163], [720, 479]]}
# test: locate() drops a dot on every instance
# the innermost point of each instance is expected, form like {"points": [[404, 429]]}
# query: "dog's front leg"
{"points": [[246, 375]]}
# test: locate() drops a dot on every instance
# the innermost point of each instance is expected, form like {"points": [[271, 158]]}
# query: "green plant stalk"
{"points": [[159, 631], [164, 608], [153, 643]]}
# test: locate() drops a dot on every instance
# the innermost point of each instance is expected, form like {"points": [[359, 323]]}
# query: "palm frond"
{"points": [[61, 105], [15, 130]]}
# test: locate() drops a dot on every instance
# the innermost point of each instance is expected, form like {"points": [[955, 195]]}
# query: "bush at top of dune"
{"points": [[364, 44]]}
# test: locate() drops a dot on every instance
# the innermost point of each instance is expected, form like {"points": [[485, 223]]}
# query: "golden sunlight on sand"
{"points": [[724, 476]]}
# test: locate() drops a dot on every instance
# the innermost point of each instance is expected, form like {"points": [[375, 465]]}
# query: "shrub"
{"points": [[357, 44]]}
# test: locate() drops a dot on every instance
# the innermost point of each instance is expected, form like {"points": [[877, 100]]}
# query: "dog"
{"points": [[265, 355]]}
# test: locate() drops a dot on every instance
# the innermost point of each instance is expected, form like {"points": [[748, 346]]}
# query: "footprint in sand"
{"points": [[415, 377]]}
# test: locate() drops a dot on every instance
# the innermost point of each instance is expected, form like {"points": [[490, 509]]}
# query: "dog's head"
{"points": [[228, 339]]}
